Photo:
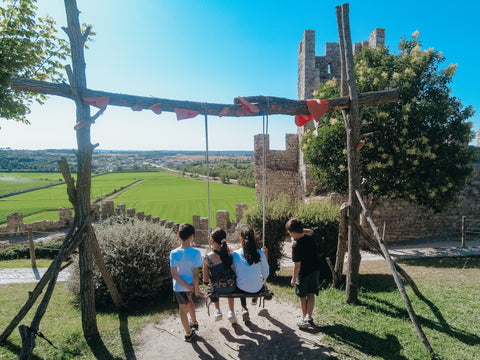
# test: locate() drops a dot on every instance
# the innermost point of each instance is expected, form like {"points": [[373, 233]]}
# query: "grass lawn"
{"points": [[378, 327], [24, 263], [62, 326]]}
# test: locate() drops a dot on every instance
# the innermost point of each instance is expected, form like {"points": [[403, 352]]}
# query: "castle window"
{"points": [[329, 68]]}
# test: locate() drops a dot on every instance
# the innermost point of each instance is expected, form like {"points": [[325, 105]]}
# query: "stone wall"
{"points": [[281, 168], [405, 221], [15, 224]]}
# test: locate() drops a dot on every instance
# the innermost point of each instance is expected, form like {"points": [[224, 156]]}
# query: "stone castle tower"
{"points": [[314, 70], [287, 172]]}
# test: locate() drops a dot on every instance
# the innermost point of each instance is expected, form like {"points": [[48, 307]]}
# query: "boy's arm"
{"points": [[205, 272], [196, 280], [296, 270], [179, 279]]}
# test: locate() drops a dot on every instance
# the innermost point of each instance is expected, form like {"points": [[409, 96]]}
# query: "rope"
{"points": [[208, 171], [264, 177]]}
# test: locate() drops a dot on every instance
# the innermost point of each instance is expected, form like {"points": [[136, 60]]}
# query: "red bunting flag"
{"points": [[137, 107], [317, 108], [248, 107], [157, 108], [99, 102], [226, 111], [80, 125], [301, 120], [185, 113]]}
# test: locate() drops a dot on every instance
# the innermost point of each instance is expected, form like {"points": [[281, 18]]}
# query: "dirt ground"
{"points": [[271, 333]]}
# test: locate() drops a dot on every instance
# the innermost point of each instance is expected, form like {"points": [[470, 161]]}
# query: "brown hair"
{"points": [[294, 225]]}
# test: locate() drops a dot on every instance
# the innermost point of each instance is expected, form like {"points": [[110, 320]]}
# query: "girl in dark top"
{"points": [[217, 269]]}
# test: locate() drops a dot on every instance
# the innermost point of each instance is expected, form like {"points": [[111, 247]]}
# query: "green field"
{"points": [[160, 194], [12, 182], [178, 199]]}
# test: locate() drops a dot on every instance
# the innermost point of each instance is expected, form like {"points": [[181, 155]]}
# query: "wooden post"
{"points": [[341, 245], [352, 126], [397, 279], [32, 248], [464, 231], [78, 84]]}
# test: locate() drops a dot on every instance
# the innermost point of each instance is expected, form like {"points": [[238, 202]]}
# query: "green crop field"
{"points": [[178, 199], [165, 195], [12, 182]]}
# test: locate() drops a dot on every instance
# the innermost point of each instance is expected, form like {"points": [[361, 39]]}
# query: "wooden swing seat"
{"points": [[262, 295]]}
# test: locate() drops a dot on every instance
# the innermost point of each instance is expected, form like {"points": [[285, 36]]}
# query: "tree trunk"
{"points": [[341, 245], [352, 125], [78, 84]]}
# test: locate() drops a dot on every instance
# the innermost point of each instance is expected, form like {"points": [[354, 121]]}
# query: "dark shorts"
{"points": [[182, 297], [307, 284]]}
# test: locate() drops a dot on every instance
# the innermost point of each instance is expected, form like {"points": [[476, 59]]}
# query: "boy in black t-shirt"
{"points": [[305, 271]]}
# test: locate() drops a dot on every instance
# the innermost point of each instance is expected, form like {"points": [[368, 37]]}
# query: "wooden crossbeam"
{"points": [[276, 105]]}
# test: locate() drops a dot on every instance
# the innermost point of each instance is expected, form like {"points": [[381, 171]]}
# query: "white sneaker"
{"points": [[231, 317], [218, 315], [245, 315]]}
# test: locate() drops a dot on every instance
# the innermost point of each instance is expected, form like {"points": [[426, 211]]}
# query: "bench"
{"points": [[262, 295]]}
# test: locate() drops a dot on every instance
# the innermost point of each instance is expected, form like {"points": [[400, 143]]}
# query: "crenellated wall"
{"points": [[15, 225]]}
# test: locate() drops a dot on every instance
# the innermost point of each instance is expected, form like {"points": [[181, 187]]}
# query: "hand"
{"points": [[198, 293], [190, 288], [265, 250], [292, 282]]}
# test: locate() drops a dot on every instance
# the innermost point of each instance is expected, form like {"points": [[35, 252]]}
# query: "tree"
{"points": [[29, 48], [415, 149]]}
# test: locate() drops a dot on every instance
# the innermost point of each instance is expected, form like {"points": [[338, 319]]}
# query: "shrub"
{"points": [[277, 213], [136, 254], [323, 219], [47, 250]]}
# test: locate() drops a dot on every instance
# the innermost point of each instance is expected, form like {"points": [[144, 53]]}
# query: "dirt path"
{"points": [[271, 334]]}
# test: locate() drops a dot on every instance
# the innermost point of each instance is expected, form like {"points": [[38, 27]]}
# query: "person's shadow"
{"points": [[275, 343]]}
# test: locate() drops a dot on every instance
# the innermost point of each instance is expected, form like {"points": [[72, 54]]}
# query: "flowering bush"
{"points": [[415, 149]]}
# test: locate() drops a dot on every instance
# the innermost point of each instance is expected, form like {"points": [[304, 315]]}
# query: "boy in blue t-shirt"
{"points": [[184, 265]]}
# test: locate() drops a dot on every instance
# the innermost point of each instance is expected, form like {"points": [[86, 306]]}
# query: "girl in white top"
{"points": [[251, 267]]}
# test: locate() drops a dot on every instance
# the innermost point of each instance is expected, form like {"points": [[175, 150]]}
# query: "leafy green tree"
{"points": [[29, 48], [415, 149]]}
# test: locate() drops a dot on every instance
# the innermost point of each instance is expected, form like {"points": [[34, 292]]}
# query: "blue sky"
{"points": [[216, 50]]}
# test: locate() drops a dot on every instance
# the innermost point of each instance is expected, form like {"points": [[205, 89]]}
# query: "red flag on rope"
{"points": [[248, 107], [157, 108], [226, 111], [99, 102], [185, 113], [137, 107]]}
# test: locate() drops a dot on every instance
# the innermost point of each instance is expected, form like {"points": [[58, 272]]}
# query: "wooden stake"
{"points": [[352, 125], [341, 245], [31, 247], [396, 277]]}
